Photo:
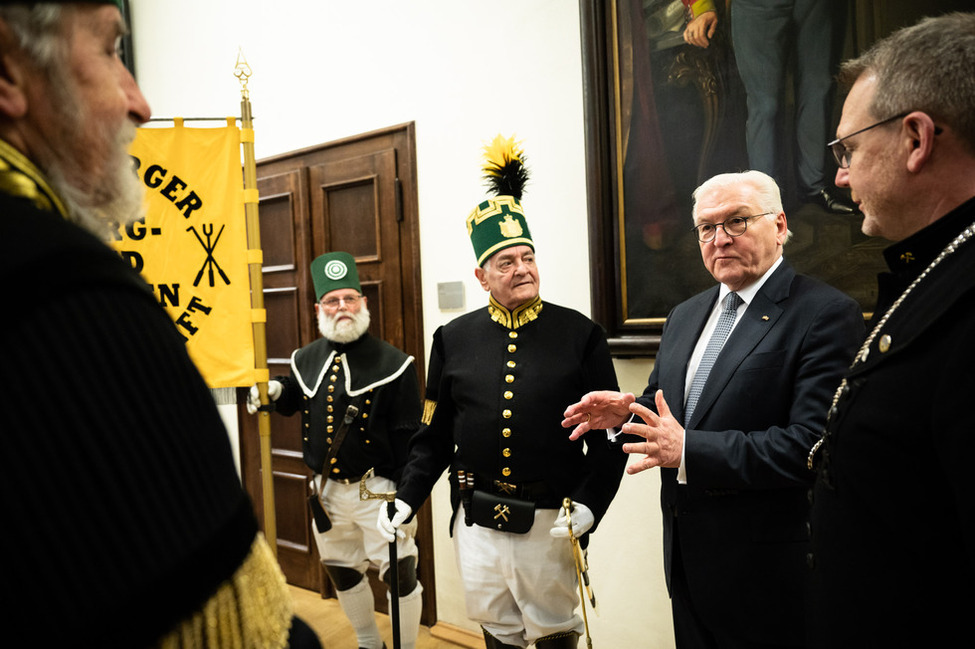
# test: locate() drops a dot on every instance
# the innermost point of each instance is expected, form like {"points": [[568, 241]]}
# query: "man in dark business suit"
{"points": [[734, 476]]}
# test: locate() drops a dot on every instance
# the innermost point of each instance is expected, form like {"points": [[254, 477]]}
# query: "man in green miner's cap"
{"points": [[500, 378], [118, 486], [349, 368]]}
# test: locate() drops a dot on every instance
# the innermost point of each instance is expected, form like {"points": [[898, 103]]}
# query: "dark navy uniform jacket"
{"points": [[500, 382], [325, 378]]}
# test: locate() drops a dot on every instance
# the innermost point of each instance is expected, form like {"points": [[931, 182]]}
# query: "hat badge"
{"points": [[510, 227], [336, 269]]}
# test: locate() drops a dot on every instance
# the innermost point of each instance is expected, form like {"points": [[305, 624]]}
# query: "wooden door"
{"points": [[357, 195], [354, 208]]}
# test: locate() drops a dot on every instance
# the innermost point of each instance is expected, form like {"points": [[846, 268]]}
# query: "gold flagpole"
{"points": [[255, 263]]}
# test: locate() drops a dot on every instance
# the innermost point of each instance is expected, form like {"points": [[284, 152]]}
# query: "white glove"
{"points": [[582, 520], [254, 399], [389, 529]]}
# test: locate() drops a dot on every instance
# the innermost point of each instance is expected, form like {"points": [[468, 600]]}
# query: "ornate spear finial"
{"points": [[243, 72]]}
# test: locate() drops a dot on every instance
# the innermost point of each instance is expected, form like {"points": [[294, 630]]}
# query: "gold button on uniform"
{"points": [[506, 432], [512, 334], [511, 364], [509, 378], [512, 348], [506, 452], [884, 344], [509, 394], [506, 472], [506, 414]]}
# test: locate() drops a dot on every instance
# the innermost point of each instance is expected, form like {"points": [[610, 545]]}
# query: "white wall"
{"points": [[463, 72]]}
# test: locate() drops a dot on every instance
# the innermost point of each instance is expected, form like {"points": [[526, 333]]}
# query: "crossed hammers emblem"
{"points": [[502, 512]]}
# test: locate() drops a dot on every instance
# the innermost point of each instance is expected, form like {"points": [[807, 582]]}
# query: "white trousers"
{"points": [[519, 587], [354, 541]]}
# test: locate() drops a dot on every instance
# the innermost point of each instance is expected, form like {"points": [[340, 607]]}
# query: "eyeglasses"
{"points": [[334, 302], [733, 227], [842, 154]]}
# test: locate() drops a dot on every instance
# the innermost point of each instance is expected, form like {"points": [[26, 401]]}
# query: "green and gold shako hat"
{"points": [[332, 271], [499, 222]]}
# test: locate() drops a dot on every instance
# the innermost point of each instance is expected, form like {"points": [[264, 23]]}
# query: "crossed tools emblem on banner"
{"points": [[209, 263]]}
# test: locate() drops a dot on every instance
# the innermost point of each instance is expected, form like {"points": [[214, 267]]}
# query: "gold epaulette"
{"points": [[19, 177], [428, 409], [251, 610]]}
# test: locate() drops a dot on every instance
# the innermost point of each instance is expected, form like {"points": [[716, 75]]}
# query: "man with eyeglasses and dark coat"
{"points": [[737, 395], [893, 509]]}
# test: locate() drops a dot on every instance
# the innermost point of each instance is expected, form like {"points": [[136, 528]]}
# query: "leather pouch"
{"points": [[502, 513], [322, 522]]}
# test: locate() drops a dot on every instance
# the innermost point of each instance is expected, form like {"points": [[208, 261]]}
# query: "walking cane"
{"points": [[390, 498], [582, 570]]}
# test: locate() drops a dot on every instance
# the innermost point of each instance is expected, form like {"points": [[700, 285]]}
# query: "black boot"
{"points": [[490, 642], [561, 640]]}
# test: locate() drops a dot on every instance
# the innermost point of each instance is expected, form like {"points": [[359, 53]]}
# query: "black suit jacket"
{"points": [[740, 521]]}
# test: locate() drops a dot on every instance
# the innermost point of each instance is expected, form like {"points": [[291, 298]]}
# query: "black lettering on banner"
{"points": [[168, 294], [184, 320], [154, 177], [133, 258]]}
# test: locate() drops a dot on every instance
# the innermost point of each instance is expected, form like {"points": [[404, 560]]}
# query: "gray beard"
{"points": [[97, 204], [345, 332], [116, 201]]}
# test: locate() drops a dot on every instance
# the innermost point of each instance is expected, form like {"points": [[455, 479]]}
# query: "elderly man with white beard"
{"points": [[360, 404]]}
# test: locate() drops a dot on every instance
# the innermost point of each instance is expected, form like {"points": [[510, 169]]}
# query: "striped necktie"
{"points": [[725, 322]]}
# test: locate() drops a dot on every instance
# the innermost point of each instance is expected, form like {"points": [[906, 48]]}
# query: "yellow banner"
{"points": [[192, 245]]}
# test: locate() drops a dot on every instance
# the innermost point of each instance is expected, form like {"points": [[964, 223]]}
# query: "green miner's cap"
{"points": [[499, 222], [496, 224], [332, 271]]}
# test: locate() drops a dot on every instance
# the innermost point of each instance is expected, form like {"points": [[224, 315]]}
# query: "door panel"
{"points": [[356, 199]]}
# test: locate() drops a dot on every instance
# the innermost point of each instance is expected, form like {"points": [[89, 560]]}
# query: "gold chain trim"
{"points": [[864, 352], [251, 610]]}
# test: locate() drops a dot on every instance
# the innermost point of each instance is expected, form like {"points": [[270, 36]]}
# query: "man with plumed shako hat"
{"points": [[124, 515], [498, 381], [359, 400]]}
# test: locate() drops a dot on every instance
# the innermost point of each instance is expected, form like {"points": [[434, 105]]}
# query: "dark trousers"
{"points": [[769, 36], [691, 629]]}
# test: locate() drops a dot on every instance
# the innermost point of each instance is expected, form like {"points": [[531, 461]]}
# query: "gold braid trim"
{"points": [[522, 315], [19, 177], [428, 409], [251, 610]]}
